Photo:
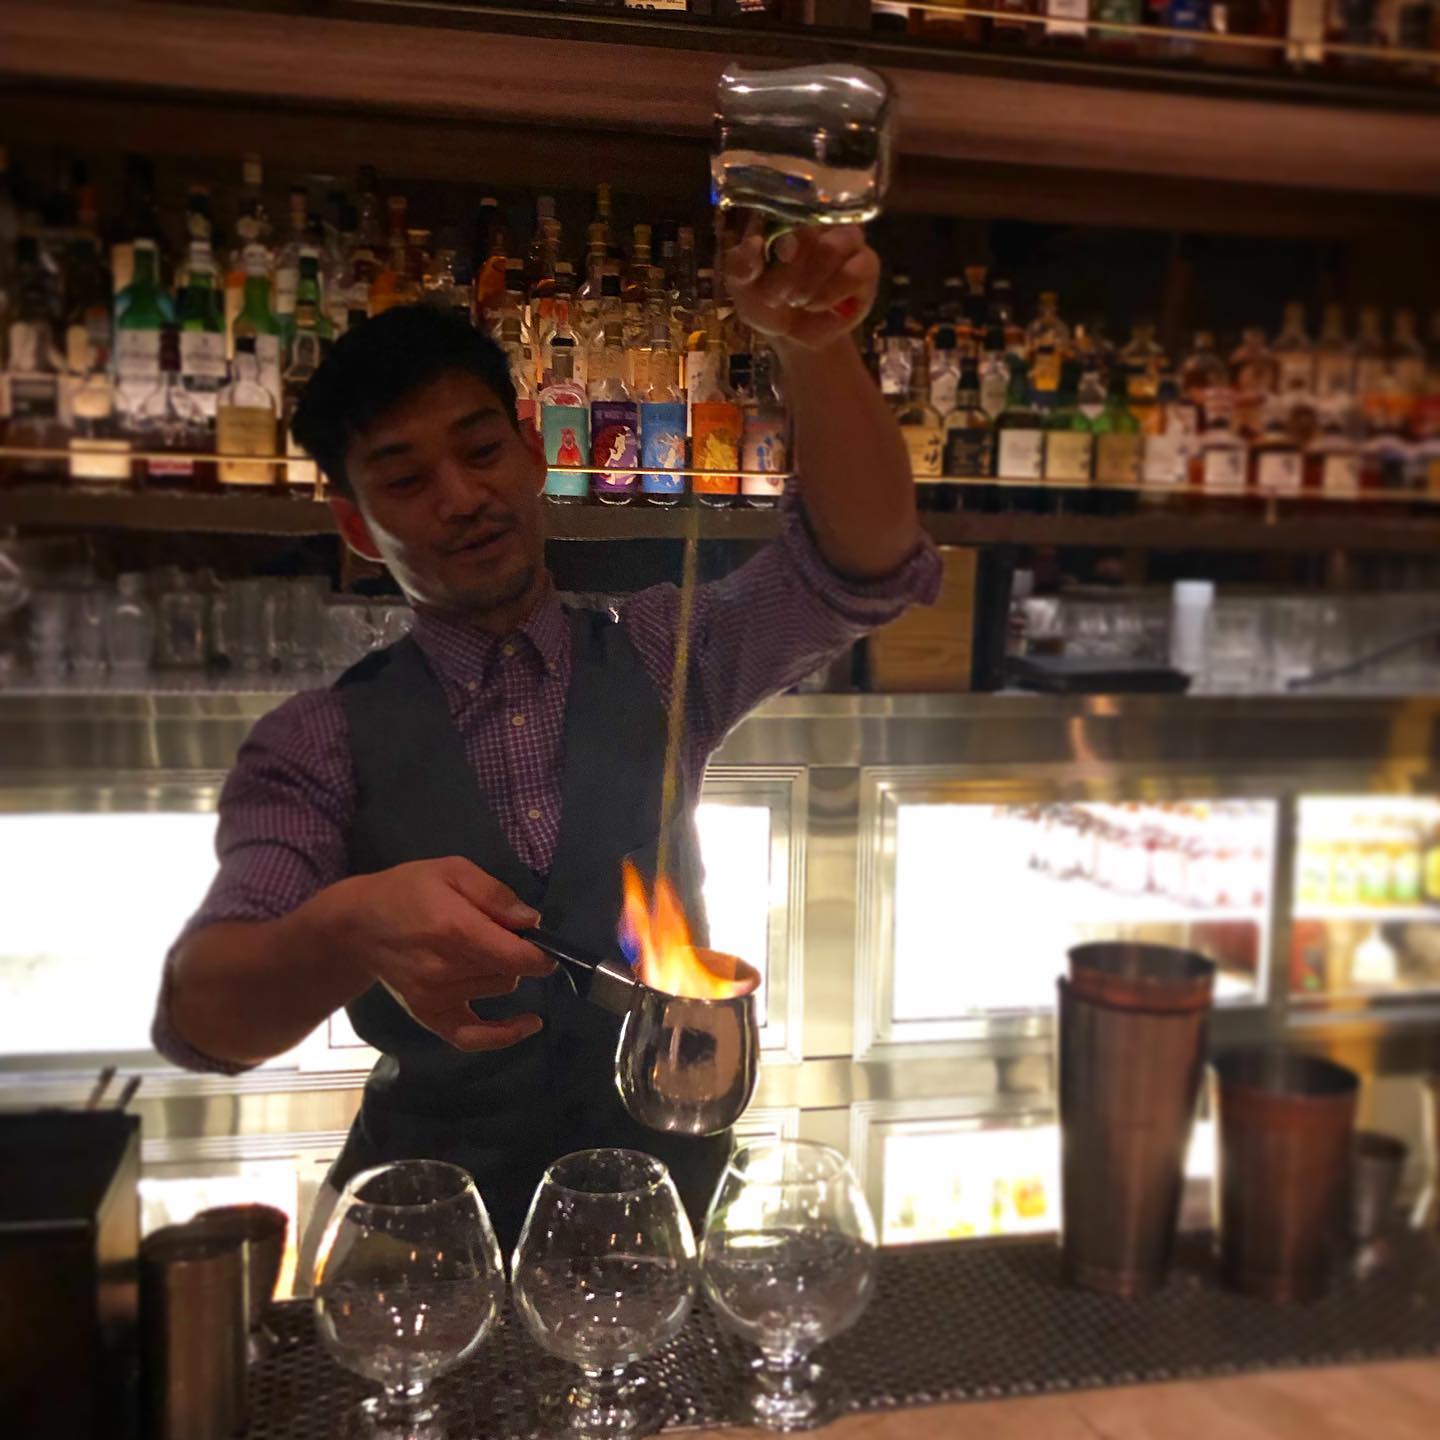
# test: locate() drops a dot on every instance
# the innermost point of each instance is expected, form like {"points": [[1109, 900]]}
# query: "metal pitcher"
{"points": [[809, 145], [683, 1066]]}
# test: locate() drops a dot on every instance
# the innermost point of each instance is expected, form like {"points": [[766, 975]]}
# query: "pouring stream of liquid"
{"points": [[679, 677]]}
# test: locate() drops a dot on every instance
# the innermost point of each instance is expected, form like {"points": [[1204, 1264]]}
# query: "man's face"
{"points": [[447, 496]]}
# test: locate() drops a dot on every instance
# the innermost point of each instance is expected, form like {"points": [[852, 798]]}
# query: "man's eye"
{"points": [[402, 483], [479, 454]]}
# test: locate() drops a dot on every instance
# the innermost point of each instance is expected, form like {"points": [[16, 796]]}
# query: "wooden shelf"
{"points": [[1230, 527], [623, 73]]}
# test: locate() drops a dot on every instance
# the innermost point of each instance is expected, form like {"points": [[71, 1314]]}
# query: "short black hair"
{"points": [[381, 362]]}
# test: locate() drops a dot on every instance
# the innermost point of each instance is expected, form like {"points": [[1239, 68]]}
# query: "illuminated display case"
{"points": [[907, 873]]}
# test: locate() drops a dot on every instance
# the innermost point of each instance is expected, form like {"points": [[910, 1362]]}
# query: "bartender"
{"points": [[382, 840]]}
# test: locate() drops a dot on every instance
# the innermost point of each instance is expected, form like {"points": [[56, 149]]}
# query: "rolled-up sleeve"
{"points": [[284, 814], [770, 623]]}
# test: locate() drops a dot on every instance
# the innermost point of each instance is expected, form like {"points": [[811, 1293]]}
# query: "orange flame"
{"points": [[665, 957]]}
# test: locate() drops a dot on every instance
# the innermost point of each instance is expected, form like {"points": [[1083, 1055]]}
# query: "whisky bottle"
{"points": [[1275, 464], [764, 434], [1048, 343], [564, 411], [662, 422], [1294, 354], [715, 420], [944, 367], [142, 310], [1332, 462], [258, 322], [614, 425], [1205, 378], [1255, 376], [1334, 357], [1069, 443], [1118, 443], [1019, 432], [968, 448], [919, 423], [1143, 360], [1166, 458], [245, 420]]}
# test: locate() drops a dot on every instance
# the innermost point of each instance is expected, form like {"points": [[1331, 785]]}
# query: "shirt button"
{"points": [[533, 813], [472, 686], [508, 650], [517, 720]]}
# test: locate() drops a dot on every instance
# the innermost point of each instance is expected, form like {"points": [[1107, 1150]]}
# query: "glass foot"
{"points": [[379, 1419], [604, 1408], [787, 1397]]}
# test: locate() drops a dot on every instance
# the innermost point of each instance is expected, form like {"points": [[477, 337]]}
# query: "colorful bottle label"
{"points": [[662, 446], [615, 442], [715, 446], [565, 431], [763, 447], [1021, 455], [969, 452], [923, 443], [1188, 14], [1117, 459], [1069, 456]]}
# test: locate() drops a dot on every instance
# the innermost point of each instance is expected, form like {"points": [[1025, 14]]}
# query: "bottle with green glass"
{"points": [[257, 320], [1118, 447], [1020, 440], [1069, 441], [142, 311], [203, 366]]}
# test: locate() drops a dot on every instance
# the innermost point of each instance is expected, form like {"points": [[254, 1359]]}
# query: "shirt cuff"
{"points": [[865, 604]]}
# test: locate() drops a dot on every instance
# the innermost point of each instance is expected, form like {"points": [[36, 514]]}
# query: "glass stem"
{"points": [[398, 1402], [600, 1390], [782, 1373]]}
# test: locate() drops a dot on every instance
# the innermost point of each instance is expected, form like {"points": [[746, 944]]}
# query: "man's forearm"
{"points": [[243, 992], [854, 472]]}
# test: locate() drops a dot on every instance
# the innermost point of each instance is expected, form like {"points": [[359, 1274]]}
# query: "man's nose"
{"points": [[459, 489]]}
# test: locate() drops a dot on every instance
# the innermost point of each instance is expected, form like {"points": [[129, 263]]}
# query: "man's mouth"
{"points": [[480, 540]]}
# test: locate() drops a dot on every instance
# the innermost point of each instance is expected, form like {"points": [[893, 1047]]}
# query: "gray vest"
{"points": [[507, 1114]]}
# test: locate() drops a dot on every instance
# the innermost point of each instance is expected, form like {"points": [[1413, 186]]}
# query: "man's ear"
{"points": [[353, 529]]}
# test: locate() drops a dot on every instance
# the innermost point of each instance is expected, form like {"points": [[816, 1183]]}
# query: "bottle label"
{"points": [[923, 443], [763, 447], [267, 353], [614, 441], [565, 431], [943, 384], [1045, 370], [1119, 12], [715, 446], [287, 286], [1117, 459], [1333, 373], [702, 376], [1369, 375], [994, 390], [202, 355], [1278, 472], [137, 354], [1340, 473], [1063, 16], [32, 397], [969, 453], [244, 430], [1188, 15], [1021, 455], [662, 446], [1297, 373], [1223, 468], [1069, 456], [1165, 458]]}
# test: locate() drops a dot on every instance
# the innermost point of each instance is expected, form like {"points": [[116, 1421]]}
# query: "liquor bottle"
{"points": [[764, 434], [541, 277], [287, 261], [994, 373], [1205, 378], [1006, 29], [1294, 354], [685, 288], [1019, 431], [1166, 457], [165, 421], [198, 226], [968, 446], [1069, 443], [1118, 443], [307, 345], [944, 367], [1332, 461], [522, 372], [1407, 356], [1371, 361], [951, 307], [1142, 360], [542, 243], [974, 309], [614, 425], [1065, 24], [258, 322], [252, 227], [1184, 15], [1255, 376], [562, 326], [895, 342], [715, 420], [1218, 463], [337, 267], [637, 328], [440, 285], [389, 287], [596, 244], [32, 417], [1117, 12], [662, 421], [564, 411], [99, 450], [1386, 457], [636, 283], [203, 368], [1275, 464], [1002, 313], [245, 418], [142, 310], [1048, 343], [490, 267], [919, 423], [1334, 357], [610, 311]]}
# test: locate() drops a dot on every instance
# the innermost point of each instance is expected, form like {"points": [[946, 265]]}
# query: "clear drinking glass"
{"points": [[1236, 659], [788, 1261], [605, 1275], [408, 1281]]}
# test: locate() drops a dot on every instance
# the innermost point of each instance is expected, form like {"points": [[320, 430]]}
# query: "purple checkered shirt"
{"points": [[286, 807]]}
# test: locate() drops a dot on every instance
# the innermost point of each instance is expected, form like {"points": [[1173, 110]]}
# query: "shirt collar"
{"points": [[461, 652]]}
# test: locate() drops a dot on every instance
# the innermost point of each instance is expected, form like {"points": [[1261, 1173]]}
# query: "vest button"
{"points": [[517, 720]]}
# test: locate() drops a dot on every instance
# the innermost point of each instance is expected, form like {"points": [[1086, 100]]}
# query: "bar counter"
{"points": [[1378, 1402]]}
